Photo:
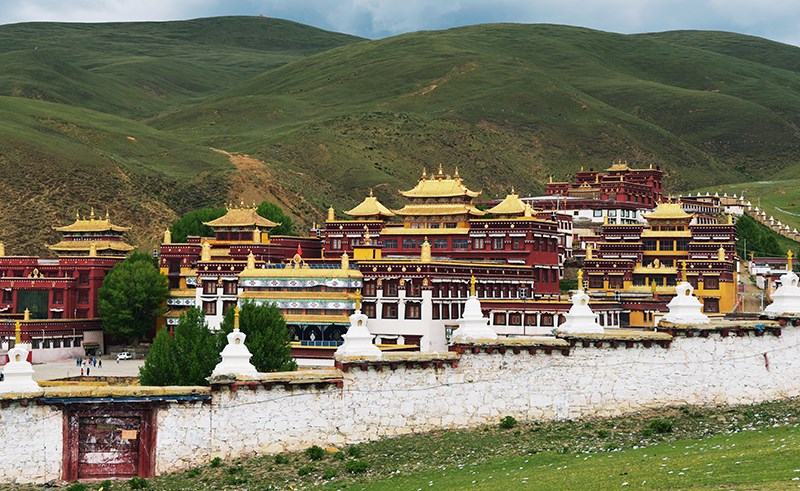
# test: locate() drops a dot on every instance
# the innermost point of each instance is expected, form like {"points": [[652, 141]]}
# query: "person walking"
{"points": [[87, 371], [81, 371], [99, 363]]}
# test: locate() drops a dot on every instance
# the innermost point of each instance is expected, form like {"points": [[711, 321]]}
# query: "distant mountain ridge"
{"points": [[332, 115]]}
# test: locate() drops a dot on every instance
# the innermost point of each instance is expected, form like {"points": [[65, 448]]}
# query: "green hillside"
{"points": [[331, 115]]}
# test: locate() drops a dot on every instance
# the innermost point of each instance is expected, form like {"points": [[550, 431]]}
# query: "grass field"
{"points": [[747, 447]]}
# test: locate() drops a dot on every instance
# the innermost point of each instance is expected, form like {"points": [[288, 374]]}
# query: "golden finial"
{"points": [[167, 236], [455, 174], [597, 178], [2, 249], [370, 192], [26, 316], [425, 252], [551, 179], [77, 215], [108, 217], [357, 298], [251, 261], [440, 171], [91, 214], [789, 259], [236, 318], [589, 251], [721, 253], [92, 249], [683, 271], [512, 190], [580, 280], [472, 286], [18, 333], [331, 214], [345, 261], [367, 238]]}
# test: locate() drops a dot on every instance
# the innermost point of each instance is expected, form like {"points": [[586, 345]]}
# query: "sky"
{"points": [[778, 20]]}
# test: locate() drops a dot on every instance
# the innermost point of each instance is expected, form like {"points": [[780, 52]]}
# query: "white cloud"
{"points": [[98, 10]]}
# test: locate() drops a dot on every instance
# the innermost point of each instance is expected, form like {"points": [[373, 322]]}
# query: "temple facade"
{"points": [[60, 294], [639, 265]]}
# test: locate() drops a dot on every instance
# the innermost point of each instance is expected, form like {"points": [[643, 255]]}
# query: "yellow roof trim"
{"points": [[439, 210], [92, 225], [437, 187], [241, 217]]}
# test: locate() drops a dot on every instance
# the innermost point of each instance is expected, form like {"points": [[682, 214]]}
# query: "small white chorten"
{"points": [[357, 339], [18, 372], [472, 326], [580, 319], [685, 308], [786, 299], [235, 356]]}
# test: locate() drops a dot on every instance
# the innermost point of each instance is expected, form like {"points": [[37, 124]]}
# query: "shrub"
{"points": [[339, 456], [77, 486], [508, 422], [193, 472], [329, 474], [660, 425], [216, 462], [138, 483], [354, 451], [281, 459], [356, 466], [315, 452], [306, 469], [603, 433], [105, 485]]}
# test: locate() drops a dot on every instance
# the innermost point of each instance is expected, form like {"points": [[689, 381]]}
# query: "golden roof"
{"points": [[241, 217], [618, 166], [86, 245], [668, 211], [424, 231], [440, 209], [370, 207], [440, 186], [92, 225], [303, 272], [511, 205]]}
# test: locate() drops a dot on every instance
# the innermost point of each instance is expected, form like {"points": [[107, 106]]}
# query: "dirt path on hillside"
{"points": [[253, 182]]}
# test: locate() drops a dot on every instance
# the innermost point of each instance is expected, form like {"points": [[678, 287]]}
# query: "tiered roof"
{"points": [[79, 238], [440, 186], [370, 207], [511, 205], [91, 225], [241, 217], [668, 211]]}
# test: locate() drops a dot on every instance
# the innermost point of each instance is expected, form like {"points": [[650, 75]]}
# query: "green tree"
{"points": [[760, 240], [192, 224], [274, 212], [186, 358], [131, 297], [268, 338]]}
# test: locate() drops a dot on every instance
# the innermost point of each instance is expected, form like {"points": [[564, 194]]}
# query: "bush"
{"points": [[193, 472], [138, 483], [508, 422], [77, 486], [216, 462], [660, 426], [305, 470], [105, 485], [356, 466], [354, 451], [281, 459], [339, 456], [329, 474], [315, 452], [603, 433]]}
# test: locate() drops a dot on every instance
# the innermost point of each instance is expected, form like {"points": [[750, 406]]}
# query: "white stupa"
{"points": [[580, 319], [18, 372], [786, 299], [685, 308], [235, 356], [357, 339], [473, 325]]}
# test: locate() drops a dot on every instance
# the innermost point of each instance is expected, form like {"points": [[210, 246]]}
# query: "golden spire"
{"points": [[27, 315], [425, 252], [597, 178], [92, 249], [345, 261], [439, 175], [580, 280], [91, 214], [251, 261], [77, 215], [2, 249], [108, 217], [367, 238], [331, 214], [257, 236], [424, 172], [167, 236], [205, 251], [789, 259], [551, 179], [236, 318], [589, 251], [683, 271], [18, 333], [472, 286], [357, 298], [455, 174], [721, 253], [370, 192]]}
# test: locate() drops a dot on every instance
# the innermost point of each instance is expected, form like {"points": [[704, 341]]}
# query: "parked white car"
{"points": [[125, 355]]}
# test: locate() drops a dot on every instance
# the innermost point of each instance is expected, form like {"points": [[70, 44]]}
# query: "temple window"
{"points": [[83, 296], [440, 243], [229, 287], [413, 289], [58, 297], [595, 281], [409, 243], [435, 312], [368, 309], [450, 224], [598, 213], [413, 310], [530, 319], [83, 278], [210, 287], [389, 311], [478, 243], [460, 243], [228, 304], [711, 283], [615, 282], [517, 243], [547, 320], [515, 319], [390, 243], [649, 245], [336, 244], [369, 289], [497, 243], [390, 289], [499, 319], [711, 305], [8, 296], [210, 308]]}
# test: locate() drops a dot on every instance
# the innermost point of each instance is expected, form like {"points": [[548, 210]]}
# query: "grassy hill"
{"points": [[327, 116]]}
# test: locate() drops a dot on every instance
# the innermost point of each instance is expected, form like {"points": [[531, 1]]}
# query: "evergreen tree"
{"points": [[131, 297], [192, 224], [159, 367], [186, 358], [760, 240], [268, 339], [274, 212]]}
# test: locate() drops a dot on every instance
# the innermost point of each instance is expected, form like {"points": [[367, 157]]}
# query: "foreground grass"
{"points": [[748, 447]]}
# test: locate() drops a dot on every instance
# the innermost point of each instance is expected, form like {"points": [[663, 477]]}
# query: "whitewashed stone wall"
{"points": [[30, 443], [482, 389]]}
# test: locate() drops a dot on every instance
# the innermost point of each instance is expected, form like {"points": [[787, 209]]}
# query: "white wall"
{"points": [[31, 444]]}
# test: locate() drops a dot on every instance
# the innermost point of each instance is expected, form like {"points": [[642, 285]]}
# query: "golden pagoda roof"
{"points": [[618, 166], [370, 207], [511, 205], [439, 209], [440, 186], [92, 225], [668, 211], [86, 245], [241, 217]]}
